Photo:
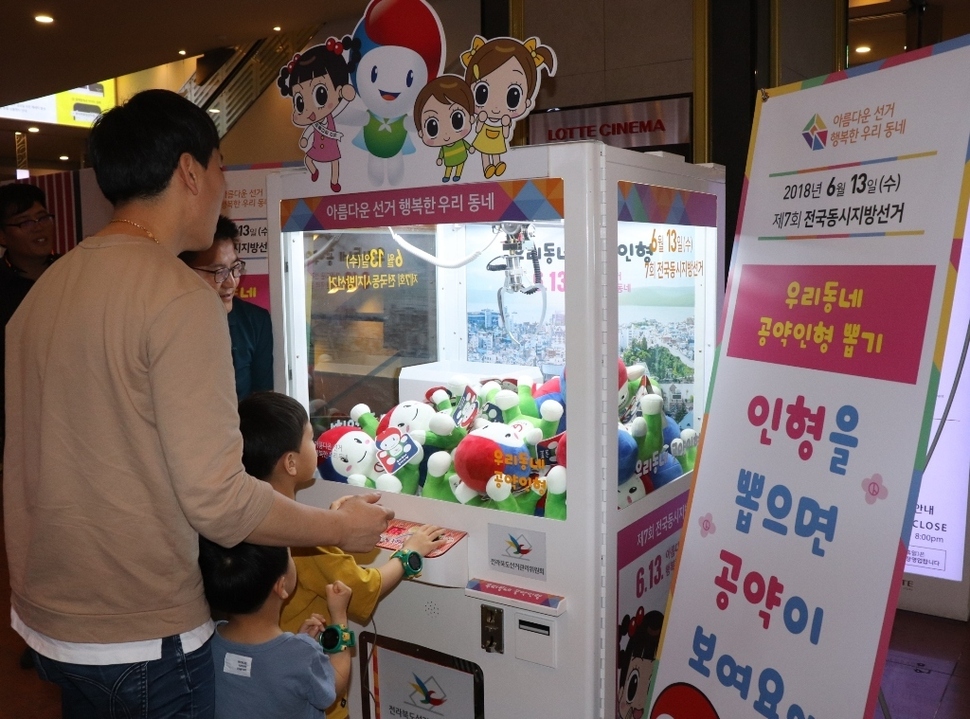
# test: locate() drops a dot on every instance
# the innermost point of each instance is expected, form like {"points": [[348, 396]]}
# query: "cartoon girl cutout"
{"points": [[318, 80], [504, 77], [396, 48], [635, 662]]}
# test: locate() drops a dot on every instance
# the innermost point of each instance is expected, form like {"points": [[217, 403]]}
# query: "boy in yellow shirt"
{"points": [[278, 447]]}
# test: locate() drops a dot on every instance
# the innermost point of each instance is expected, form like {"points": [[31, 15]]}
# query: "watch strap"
{"points": [[406, 555], [346, 638]]}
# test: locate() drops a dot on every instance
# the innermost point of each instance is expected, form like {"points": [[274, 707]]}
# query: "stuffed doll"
{"points": [[347, 454], [519, 409], [685, 449], [630, 484], [493, 466], [657, 466], [429, 426]]}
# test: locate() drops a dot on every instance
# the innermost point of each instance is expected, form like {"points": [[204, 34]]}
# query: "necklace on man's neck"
{"points": [[140, 227]]}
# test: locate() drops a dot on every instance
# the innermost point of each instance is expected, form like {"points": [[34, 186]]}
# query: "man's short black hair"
{"points": [[18, 197], [226, 229], [239, 580], [271, 424], [135, 148]]}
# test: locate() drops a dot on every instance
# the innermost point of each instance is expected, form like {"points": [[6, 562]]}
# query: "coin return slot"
{"points": [[535, 639], [527, 626]]}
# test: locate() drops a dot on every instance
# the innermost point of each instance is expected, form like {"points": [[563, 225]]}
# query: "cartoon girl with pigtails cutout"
{"points": [[318, 80], [504, 77], [635, 661]]}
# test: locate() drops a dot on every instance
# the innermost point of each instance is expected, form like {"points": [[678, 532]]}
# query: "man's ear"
{"points": [[187, 171]]}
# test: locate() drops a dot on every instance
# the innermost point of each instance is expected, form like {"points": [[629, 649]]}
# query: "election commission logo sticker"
{"points": [[427, 694], [518, 547], [815, 133]]}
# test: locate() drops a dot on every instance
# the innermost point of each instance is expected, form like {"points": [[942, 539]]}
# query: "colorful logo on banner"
{"points": [[815, 133], [385, 84], [427, 694], [650, 203], [508, 201]]}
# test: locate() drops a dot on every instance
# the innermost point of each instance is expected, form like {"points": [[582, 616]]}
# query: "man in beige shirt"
{"points": [[122, 435]]}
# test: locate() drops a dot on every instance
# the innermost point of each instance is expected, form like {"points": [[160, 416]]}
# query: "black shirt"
{"points": [[14, 286]]}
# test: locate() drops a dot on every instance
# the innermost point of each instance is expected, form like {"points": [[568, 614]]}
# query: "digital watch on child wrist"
{"points": [[337, 637], [412, 562]]}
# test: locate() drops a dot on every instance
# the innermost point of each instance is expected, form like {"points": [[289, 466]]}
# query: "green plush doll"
{"points": [[556, 492]]}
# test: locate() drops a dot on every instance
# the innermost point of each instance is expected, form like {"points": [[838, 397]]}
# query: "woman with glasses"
{"points": [[250, 327]]}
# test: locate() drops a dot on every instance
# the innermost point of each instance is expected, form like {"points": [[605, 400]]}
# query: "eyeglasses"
{"points": [[222, 274], [31, 224]]}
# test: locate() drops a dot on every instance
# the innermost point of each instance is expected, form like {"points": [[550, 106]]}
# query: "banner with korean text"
{"points": [[849, 241]]}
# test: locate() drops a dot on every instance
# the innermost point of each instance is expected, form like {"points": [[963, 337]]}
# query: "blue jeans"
{"points": [[177, 686]]}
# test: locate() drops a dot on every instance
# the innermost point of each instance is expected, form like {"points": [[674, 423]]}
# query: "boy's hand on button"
{"points": [[425, 539]]}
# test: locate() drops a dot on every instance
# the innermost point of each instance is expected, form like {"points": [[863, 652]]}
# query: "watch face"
{"points": [[330, 638], [414, 561]]}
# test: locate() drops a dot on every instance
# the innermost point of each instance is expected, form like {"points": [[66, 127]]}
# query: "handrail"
{"points": [[235, 86]]}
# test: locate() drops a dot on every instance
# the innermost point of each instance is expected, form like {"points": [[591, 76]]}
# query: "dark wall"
{"points": [[740, 45]]}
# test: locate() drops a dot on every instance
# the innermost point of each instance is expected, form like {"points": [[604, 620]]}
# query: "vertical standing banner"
{"points": [[245, 204], [851, 232]]}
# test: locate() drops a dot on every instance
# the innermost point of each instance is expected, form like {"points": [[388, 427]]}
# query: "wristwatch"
{"points": [[412, 562], [337, 637]]}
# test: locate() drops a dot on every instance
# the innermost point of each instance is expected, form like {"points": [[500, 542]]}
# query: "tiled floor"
{"points": [[927, 674]]}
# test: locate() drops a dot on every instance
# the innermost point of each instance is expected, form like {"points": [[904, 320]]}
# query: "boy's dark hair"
{"points": [[226, 231], [19, 197], [135, 148], [239, 580], [271, 424]]}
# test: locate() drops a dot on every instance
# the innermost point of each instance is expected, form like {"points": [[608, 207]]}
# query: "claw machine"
{"points": [[473, 331]]}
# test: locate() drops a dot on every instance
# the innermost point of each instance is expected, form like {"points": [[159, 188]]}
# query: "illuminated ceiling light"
{"points": [[863, 49], [44, 19], [277, 28], [182, 53], [33, 129], [63, 157], [214, 110]]}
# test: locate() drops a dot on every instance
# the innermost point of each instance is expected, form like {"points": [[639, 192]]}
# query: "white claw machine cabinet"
{"points": [[582, 284]]}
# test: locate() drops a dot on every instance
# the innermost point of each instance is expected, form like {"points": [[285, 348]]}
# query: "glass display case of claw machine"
{"points": [[522, 361]]}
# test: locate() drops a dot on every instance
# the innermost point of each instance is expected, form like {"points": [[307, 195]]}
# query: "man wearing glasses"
{"points": [[27, 236], [250, 327]]}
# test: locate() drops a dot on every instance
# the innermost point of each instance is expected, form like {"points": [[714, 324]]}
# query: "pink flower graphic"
{"points": [[874, 488], [707, 524]]}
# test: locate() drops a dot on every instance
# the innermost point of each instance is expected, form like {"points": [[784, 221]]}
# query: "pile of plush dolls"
{"points": [[502, 445]]}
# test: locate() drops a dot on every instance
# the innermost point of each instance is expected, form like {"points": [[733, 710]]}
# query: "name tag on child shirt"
{"points": [[237, 664]]}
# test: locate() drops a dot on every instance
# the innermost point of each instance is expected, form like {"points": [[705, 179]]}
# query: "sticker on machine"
{"points": [[517, 551]]}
